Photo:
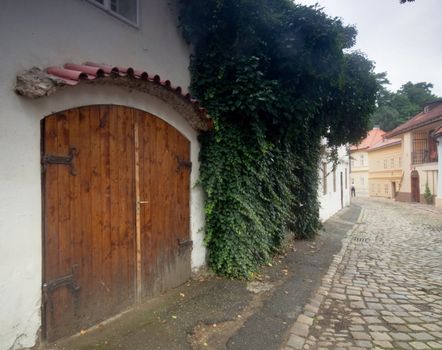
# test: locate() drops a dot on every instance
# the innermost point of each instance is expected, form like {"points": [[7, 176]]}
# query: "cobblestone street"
{"points": [[384, 289]]}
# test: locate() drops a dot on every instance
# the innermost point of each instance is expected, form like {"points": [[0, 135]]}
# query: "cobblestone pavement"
{"points": [[384, 289]]}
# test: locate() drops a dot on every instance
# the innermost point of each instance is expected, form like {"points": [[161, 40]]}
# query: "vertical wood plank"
{"points": [[137, 207]]}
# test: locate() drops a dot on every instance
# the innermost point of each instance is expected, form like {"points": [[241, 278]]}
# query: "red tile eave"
{"points": [[411, 128], [438, 131], [373, 137], [385, 144], [72, 74], [418, 121]]}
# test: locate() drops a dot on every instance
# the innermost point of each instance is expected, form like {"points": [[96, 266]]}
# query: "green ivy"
{"points": [[275, 79]]}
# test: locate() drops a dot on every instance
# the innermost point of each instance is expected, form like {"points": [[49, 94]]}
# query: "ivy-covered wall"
{"points": [[275, 77]]}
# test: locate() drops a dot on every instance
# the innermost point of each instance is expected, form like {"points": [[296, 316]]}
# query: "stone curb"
{"points": [[299, 332]]}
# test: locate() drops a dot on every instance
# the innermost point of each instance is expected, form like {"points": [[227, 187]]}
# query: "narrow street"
{"points": [[372, 279], [384, 289]]}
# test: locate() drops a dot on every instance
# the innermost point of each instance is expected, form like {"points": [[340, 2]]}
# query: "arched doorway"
{"points": [[116, 185], [415, 189]]}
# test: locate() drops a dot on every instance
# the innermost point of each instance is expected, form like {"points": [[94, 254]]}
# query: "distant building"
{"points": [[360, 162], [385, 168], [420, 154]]}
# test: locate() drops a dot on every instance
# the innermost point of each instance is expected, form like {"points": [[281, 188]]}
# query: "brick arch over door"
{"points": [[116, 183]]}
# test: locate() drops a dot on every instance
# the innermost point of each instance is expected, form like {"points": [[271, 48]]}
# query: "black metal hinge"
{"points": [[63, 160], [183, 163], [184, 245], [69, 281]]}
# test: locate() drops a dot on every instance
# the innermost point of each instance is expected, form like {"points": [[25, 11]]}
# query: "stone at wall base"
{"points": [[403, 197]]}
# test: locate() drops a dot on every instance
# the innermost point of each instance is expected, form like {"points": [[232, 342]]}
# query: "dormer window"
{"points": [[127, 10]]}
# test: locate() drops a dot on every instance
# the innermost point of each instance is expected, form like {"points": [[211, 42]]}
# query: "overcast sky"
{"points": [[404, 40]]}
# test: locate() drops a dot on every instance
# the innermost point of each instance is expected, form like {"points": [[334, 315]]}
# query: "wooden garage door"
{"points": [[116, 213]]}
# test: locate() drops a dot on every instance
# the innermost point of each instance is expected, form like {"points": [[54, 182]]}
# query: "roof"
{"points": [[385, 143], [431, 113], [36, 83], [374, 136], [438, 131]]}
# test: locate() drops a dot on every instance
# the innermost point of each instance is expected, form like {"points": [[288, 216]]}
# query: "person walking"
{"points": [[353, 191]]}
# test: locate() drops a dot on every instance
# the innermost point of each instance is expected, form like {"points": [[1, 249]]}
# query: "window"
{"points": [[400, 162], [392, 163], [324, 178], [424, 148], [385, 164], [386, 189], [361, 159], [334, 180], [126, 10]]}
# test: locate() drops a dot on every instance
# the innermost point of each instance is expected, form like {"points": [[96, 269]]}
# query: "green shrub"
{"points": [[275, 79]]}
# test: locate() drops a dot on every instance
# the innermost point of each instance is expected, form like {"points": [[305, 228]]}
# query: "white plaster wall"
{"points": [[406, 163], [52, 32], [438, 201], [331, 201], [439, 165]]}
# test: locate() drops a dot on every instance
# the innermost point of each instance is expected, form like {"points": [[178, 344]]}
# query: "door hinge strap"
{"points": [[68, 281], [63, 160], [183, 163]]}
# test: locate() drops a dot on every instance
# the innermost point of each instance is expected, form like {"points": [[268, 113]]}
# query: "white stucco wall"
{"points": [[52, 32], [439, 174], [331, 201]]}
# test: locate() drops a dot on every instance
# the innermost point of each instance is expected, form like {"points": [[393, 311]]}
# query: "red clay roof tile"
{"points": [[73, 74], [385, 143], [374, 136]]}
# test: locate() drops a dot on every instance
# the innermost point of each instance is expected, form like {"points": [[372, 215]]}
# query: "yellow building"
{"points": [[385, 168], [419, 153], [360, 163]]}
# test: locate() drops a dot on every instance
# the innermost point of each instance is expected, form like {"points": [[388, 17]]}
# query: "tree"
{"points": [[395, 108], [276, 77]]}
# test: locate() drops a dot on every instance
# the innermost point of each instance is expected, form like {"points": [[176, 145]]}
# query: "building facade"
{"points": [[360, 161], [385, 168], [420, 161]]}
